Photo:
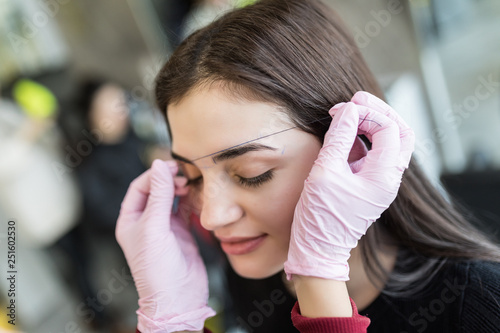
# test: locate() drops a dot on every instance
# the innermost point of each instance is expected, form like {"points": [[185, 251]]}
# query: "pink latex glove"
{"points": [[168, 271], [340, 200]]}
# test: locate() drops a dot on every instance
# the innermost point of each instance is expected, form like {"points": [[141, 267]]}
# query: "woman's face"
{"points": [[248, 189]]}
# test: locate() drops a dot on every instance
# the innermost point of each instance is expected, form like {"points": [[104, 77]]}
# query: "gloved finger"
{"points": [[339, 138], [173, 165], [137, 194], [384, 133], [407, 136], [180, 186], [161, 196]]}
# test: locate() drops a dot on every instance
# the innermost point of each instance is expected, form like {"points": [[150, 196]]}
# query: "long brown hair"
{"points": [[298, 55]]}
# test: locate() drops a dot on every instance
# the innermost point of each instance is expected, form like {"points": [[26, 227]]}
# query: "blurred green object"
{"points": [[243, 3], [35, 99]]}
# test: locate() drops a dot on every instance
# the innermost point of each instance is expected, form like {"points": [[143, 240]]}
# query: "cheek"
{"points": [[276, 208], [286, 193]]}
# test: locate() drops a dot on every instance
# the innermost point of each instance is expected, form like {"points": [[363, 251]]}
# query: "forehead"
{"points": [[209, 120]]}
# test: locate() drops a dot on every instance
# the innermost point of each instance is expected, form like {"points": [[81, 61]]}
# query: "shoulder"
{"points": [[484, 270], [480, 277], [480, 296]]}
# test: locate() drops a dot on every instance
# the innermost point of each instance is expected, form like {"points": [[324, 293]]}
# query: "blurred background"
{"points": [[78, 123]]}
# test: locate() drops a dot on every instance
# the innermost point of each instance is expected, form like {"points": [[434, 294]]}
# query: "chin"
{"points": [[250, 269]]}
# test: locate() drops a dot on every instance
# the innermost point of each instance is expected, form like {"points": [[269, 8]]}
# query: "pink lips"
{"points": [[241, 245]]}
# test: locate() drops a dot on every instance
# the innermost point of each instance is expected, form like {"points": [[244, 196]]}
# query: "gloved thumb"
{"points": [[161, 196], [341, 135]]}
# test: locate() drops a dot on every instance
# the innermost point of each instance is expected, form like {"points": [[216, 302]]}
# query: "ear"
{"points": [[358, 151]]}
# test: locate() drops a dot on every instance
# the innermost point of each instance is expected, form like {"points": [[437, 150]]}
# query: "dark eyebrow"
{"points": [[180, 158], [240, 150], [229, 153]]}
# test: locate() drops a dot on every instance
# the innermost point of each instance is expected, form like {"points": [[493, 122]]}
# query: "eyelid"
{"points": [[258, 180], [247, 182]]}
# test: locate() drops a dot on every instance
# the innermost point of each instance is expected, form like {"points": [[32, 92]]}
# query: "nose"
{"points": [[219, 205]]}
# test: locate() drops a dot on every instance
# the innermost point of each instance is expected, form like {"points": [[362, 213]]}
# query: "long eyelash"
{"points": [[257, 181]]}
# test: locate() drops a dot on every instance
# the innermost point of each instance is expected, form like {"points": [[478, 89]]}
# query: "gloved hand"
{"points": [[340, 200], [168, 271]]}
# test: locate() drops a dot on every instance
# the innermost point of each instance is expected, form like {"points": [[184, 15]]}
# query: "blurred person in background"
{"points": [[277, 68], [116, 156], [107, 155]]}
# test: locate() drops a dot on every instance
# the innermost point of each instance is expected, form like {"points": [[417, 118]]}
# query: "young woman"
{"points": [[269, 109]]}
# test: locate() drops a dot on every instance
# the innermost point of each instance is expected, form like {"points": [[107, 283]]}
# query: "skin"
{"points": [[209, 120]]}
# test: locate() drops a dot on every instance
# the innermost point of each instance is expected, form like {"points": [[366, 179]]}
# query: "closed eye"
{"points": [[247, 182], [257, 181]]}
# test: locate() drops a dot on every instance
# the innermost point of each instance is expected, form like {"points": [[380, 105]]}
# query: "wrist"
{"points": [[316, 266], [320, 297]]}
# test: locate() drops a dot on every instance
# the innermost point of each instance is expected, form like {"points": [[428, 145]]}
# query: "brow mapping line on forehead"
{"points": [[233, 151], [240, 150], [229, 153], [215, 158]]}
